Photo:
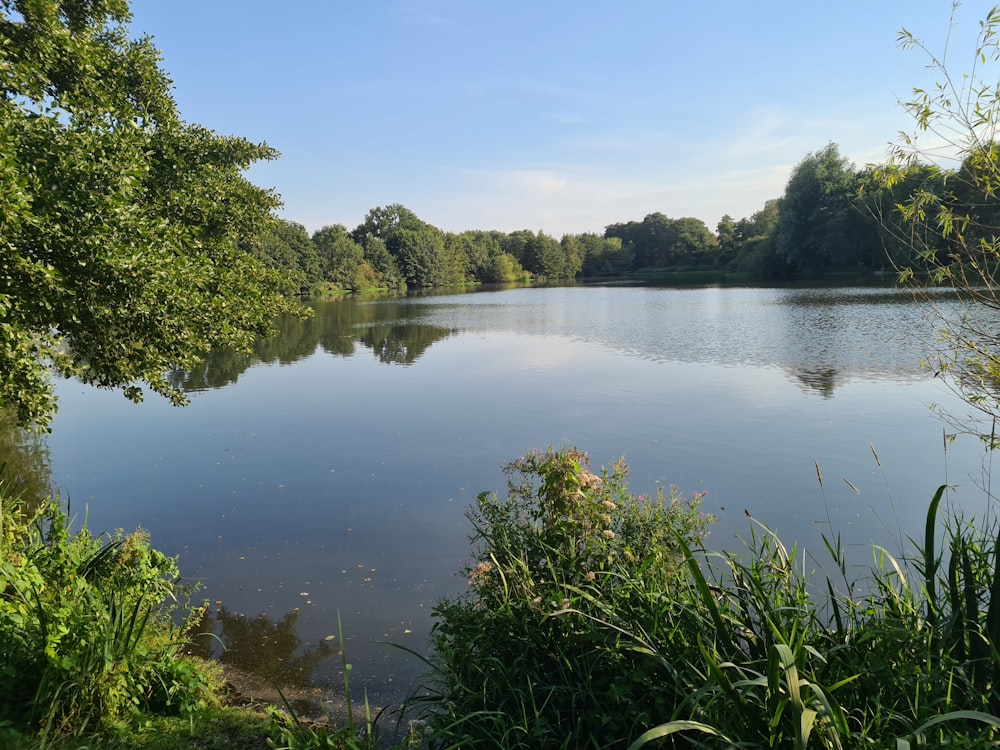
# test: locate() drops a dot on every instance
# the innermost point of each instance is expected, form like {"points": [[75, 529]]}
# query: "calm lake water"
{"points": [[330, 473]]}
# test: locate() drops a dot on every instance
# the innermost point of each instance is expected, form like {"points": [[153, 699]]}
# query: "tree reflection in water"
{"points": [[271, 651], [25, 466], [389, 328]]}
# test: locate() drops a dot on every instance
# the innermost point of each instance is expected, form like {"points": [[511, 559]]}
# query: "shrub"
{"points": [[525, 658], [85, 639]]}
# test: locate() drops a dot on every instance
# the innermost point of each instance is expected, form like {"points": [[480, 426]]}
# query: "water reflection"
{"points": [[401, 344], [304, 472], [271, 651], [821, 337], [25, 464], [390, 329], [820, 380]]}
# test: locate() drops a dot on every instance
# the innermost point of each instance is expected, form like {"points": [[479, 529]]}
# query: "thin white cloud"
{"points": [[428, 15], [571, 199], [569, 118]]}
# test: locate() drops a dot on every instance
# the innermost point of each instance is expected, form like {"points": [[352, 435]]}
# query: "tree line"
{"points": [[832, 219], [393, 248]]}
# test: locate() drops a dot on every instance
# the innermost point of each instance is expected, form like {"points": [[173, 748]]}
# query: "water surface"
{"points": [[329, 474]]}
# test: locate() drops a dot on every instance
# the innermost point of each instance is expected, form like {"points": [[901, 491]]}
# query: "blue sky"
{"points": [[546, 114]]}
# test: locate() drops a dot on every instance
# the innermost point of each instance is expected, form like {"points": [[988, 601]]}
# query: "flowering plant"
{"points": [[564, 555]]}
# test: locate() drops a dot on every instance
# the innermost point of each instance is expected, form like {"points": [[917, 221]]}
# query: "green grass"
{"points": [[213, 729], [86, 628]]}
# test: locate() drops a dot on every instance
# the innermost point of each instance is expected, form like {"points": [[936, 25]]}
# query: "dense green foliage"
{"points": [[85, 639], [393, 248], [286, 248], [524, 659], [119, 223], [832, 218], [592, 616]]}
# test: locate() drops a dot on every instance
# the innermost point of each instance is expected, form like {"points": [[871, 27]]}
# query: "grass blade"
{"points": [[672, 727], [930, 559], [721, 629]]}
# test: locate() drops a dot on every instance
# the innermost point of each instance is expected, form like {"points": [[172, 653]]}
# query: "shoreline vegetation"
{"points": [[646, 276], [594, 617]]}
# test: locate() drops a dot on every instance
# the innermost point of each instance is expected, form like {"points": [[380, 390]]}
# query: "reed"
{"points": [[791, 658]]}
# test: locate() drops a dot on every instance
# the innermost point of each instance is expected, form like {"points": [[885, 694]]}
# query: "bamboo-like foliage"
{"points": [[941, 187]]}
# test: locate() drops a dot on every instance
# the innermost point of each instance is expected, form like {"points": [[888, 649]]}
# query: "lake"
{"points": [[329, 474]]}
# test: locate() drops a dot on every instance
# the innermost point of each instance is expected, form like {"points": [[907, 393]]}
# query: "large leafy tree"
{"points": [[382, 221], [419, 253], [602, 256], [416, 249], [754, 240], [821, 189], [540, 254], [661, 242], [693, 242], [487, 260], [119, 223], [342, 258], [286, 247]]}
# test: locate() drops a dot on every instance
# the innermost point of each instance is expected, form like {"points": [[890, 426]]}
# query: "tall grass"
{"points": [[571, 636], [905, 655]]}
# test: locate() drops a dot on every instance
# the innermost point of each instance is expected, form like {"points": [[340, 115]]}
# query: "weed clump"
{"points": [[86, 639], [527, 653]]}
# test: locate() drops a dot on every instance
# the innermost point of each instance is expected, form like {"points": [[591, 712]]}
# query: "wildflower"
{"points": [[481, 572], [591, 576], [611, 506], [536, 601], [605, 518], [608, 533], [565, 603]]}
